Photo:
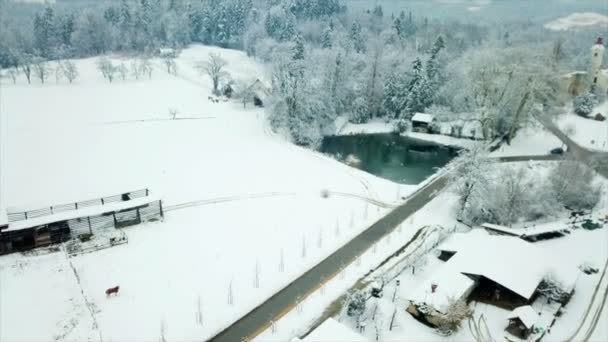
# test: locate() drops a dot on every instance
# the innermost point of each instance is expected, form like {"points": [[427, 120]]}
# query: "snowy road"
{"points": [[257, 320]]}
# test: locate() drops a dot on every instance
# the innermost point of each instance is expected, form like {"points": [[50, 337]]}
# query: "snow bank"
{"points": [[528, 142], [587, 132], [578, 20]]}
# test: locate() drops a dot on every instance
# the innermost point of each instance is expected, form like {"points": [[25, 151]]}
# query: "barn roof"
{"points": [[333, 331], [82, 212], [526, 315], [529, 231], [509, 261], [422, 117]]}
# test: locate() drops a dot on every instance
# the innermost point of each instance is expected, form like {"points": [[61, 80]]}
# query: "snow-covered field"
{"points": [[586, 132], [578, 20], [66, 142]]}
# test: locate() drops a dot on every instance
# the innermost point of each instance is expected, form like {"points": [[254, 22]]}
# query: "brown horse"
{"points": [[113, 290]]}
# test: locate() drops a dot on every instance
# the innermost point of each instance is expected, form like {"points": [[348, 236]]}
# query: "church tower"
{"points": [[597, 55]]}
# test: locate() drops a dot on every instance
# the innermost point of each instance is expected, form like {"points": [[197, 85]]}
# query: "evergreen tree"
{"points": [[419, 92], [44, 33], [326, 41], [356, 37], [395, 95], [298, 49], [280, 24]]}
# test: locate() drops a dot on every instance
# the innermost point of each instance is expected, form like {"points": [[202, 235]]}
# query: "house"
{"points": [[332, 331], [422, 123], [522, 321], [40, 227], [577, 82], [504, 271]]}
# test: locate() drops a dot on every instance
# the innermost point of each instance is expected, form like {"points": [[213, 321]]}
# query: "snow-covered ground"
{"points": [[529, 141], [586, 132], [578, 20], [66, 142]]}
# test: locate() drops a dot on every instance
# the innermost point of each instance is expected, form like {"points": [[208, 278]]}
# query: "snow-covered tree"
{"points": [[298, 48], [574, 185], [107, 69], [25, 64], [12, 72], [457, 311], [357, 301], [122, 70], [326, 37], [584, 103], [70, 71], [280, 23], [214, 68], [360, 112]]}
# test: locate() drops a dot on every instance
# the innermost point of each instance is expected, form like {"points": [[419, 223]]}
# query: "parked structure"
{"points": [[54, 224], [422, 123], [522, 321]]}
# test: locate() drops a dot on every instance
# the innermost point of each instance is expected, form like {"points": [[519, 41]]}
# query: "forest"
{"points": [[328, 59]]}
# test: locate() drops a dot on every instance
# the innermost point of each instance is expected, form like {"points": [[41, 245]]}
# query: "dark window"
{"points": [[595, 54], [595, 80]]}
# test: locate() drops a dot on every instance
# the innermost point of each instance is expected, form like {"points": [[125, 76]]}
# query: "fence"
{"points": [[116, 219], [24, 215]]}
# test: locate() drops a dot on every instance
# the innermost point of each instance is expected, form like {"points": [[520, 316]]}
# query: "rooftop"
{"points": [[422, 117], [529, 231], [526, 315]]}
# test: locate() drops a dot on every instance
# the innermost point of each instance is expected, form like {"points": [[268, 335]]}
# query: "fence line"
{"points": [[24, 215]]}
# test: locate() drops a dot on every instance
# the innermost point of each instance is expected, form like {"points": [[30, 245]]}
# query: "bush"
{"points": [[458, 311], [356, 304], [402, 125], [360, 113], [584, 103], [573, 185]]}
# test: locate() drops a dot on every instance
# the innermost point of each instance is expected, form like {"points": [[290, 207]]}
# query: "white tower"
{"points": [[597, 55]]}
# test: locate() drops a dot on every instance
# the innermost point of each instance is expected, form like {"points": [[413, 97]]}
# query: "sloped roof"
{"points": [[526, 315], [422, 117], [509, 261], [333, 331], [529, 231], [450, 283]]}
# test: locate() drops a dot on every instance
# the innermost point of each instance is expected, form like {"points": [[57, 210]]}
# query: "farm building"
{"points": [[259, 93], [331, 331], [422, 123], [530, 234], [522, 321], [29, 229], [503, 271]]}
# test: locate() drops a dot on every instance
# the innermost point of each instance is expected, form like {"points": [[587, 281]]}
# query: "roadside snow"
{"points": [[529, 141]]}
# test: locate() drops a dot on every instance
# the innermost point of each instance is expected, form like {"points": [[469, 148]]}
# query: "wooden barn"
{"points": [[27, 229]]}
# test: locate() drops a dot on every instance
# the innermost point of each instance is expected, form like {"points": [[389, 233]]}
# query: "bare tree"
{"points": [[123, 71], [12, 72], [145, 67], [214, 68], [173, 113], [135, 69], [25, 63], [107, 69], [163, 330], [41, 69], [58, 71], [170, 64], [69, 70]]}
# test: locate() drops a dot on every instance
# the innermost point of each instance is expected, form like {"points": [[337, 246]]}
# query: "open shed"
{"points": [[522, 321], [421, 122]]}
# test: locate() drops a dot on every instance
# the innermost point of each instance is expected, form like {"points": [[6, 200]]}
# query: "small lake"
{"points": [[400, 159]]}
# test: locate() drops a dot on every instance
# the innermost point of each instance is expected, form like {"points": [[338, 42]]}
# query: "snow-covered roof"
{"points": [[526, 315], [423, 117], [509, 261], [450, 283], [83, 212], [333, 331], [530, 231]]}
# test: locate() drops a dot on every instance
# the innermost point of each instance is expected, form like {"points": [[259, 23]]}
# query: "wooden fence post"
{"points": [[160, 204], [114, 216], [90, 229], [138, 216]]}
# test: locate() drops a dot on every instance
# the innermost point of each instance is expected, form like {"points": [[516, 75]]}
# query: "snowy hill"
{"points": [[578, 21], [250, 198]]}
